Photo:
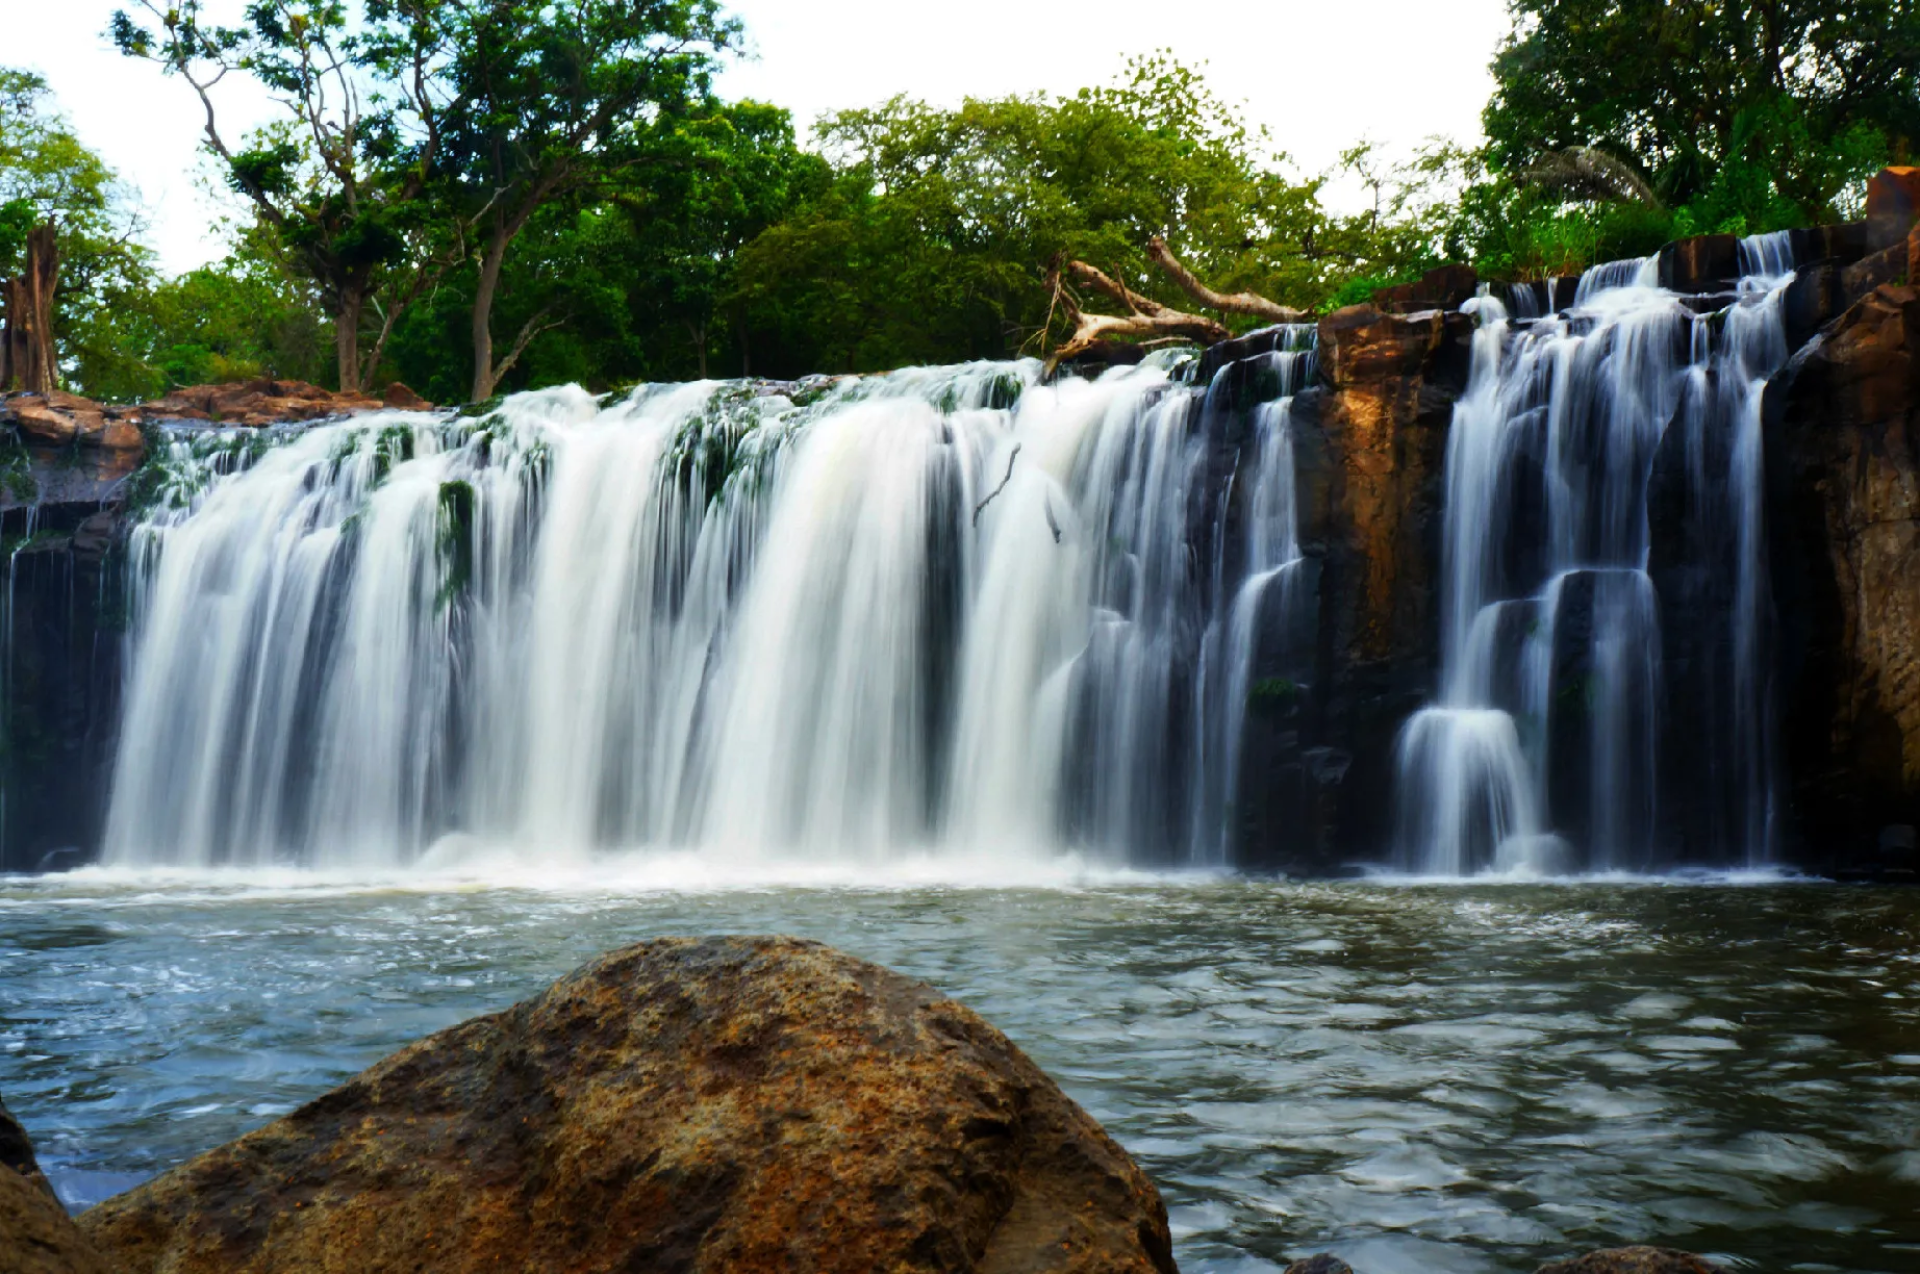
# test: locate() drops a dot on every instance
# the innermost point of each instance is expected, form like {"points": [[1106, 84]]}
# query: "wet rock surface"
{"points": [[712, 1104], [1370, 456], [1634, 1260], [1844, 429]]}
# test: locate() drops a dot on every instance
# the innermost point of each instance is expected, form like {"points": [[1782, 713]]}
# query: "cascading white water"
{"points": [[1604, 501], [929, 612]]}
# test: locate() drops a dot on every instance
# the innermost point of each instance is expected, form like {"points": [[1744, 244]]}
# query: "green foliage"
{"points": [[1746, 117], [48, 175], [1276, 691], [928, 239]]}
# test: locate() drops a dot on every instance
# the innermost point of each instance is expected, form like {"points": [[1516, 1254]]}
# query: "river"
{"points": [[1449, 1078]]}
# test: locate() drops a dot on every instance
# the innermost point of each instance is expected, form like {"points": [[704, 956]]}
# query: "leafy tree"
{"points": [[47, 175], [562, 101], [1755, 116], [931, 238], [344, 182]]}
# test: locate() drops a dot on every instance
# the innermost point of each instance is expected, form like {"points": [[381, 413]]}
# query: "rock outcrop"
{"points": [[1634, 1260], [726, 1104], [37, 1236], [1844, 435], [1370, 455]]}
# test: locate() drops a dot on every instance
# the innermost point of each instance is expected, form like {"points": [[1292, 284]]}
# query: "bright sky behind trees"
{"points": [[1319, 77]]}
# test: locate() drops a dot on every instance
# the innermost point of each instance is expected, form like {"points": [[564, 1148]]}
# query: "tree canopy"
{"points": [[481, 195], [1754, 115]]}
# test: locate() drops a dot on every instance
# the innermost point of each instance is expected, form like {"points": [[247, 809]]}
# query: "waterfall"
{"points": [[1605, 698], [929, 612]]}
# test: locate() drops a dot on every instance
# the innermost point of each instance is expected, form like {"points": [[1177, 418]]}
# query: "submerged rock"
{"points": [[712, 1104], [1634, 1260], [1324, 1263]]}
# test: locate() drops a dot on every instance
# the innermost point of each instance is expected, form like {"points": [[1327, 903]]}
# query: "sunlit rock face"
{"points": [[683, 1104]]}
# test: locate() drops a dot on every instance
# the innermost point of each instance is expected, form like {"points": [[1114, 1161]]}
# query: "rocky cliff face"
{"points": [[65, 466], [1844, 429], [1370, 457]]}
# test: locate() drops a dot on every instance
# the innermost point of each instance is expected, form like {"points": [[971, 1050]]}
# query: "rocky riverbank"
{"points": [[717, 1104]]}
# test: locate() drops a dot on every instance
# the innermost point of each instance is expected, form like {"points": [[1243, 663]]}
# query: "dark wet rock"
{"points": [[1634, 1260], [1837, 244], [1447, 288], [1265, 340], [1843, 433], [713, 1104], [16, 1148], [1705, 263], [1324, 1263], [1370, 451], [67, 607]]}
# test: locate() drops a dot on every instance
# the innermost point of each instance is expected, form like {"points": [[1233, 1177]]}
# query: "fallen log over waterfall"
{"points": [[1146, 319]]}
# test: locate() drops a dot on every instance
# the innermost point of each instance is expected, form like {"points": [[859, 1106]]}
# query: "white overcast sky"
{"points": [[1320, 76]]}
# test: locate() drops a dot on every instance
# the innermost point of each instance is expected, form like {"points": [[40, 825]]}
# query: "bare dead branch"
{"points": [[1229, 302], [1013, 456]]}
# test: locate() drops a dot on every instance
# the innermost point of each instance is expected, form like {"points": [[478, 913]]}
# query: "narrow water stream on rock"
{"points": [[1456, 1079]]}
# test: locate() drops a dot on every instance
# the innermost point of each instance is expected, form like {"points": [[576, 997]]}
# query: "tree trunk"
{"points": [[26, 345], [698, 332], [485, 376], [346, 339]]}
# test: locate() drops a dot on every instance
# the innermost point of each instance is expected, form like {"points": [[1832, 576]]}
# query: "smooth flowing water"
{"points": [[1453, 1079], [944, 610], [1606, 700]]}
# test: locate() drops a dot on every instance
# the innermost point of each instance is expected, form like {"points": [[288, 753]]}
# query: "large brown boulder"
{"points": [[36, 1235], [720, 1104], [1844, 429], [1634, 1260]]}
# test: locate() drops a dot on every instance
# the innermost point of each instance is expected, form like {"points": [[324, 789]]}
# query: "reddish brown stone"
{"points": [[399, 397], [724, 1104], [1894, 192]]}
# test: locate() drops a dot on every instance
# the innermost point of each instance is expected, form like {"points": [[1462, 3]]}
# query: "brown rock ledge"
{"points": [[717, 1104]]}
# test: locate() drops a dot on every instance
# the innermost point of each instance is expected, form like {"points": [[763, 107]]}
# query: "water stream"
{"points": [[1425, 1079], [935, 611], [1606, 700]]}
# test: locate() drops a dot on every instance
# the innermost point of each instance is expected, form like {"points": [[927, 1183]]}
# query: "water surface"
{"points": [[1444, 1078]]}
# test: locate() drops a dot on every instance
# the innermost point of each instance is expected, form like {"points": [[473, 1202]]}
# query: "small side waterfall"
{"points": [[1605, 700], [931, 612]]}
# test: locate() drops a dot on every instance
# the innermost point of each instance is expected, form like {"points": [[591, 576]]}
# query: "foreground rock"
{"points": [[715, 1104], [1634, 1260], [36, 1235]]}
